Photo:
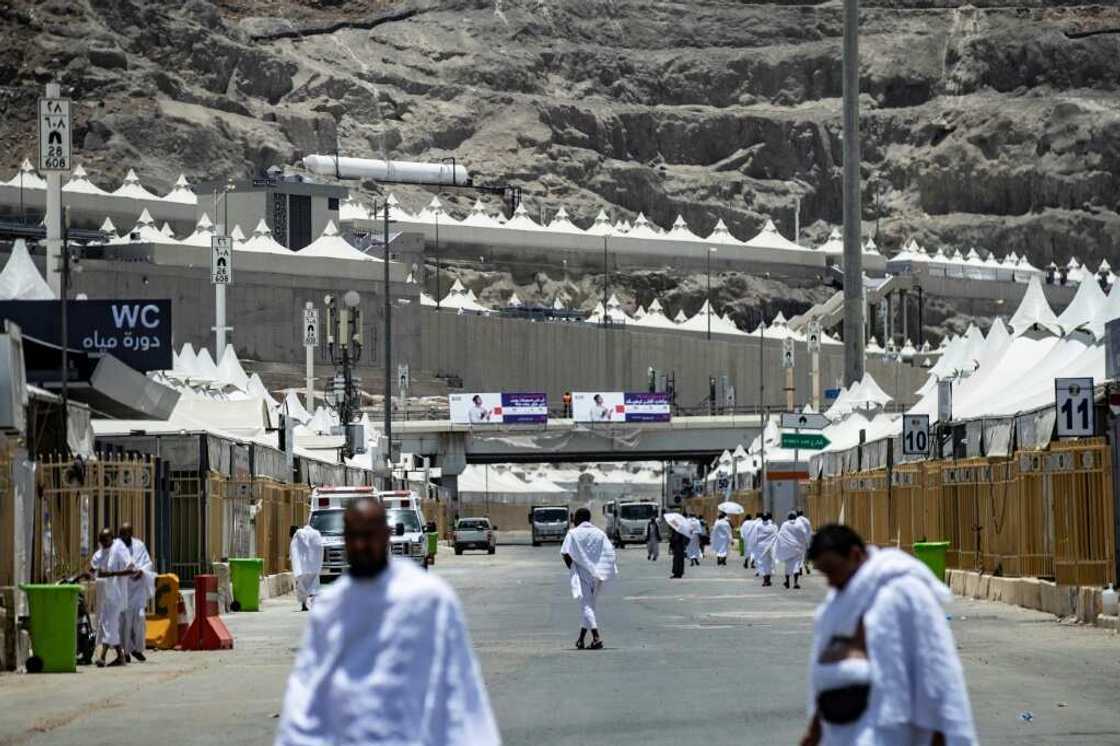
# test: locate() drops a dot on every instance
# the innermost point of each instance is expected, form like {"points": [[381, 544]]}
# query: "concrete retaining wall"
{"points": [[1064, 601]]}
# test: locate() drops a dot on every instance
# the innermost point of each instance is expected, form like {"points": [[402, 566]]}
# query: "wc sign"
{"points": [[54, 134]]}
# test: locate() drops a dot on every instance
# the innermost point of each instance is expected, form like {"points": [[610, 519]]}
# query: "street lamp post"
{"points": [[606, 279], [388, 390], [762, 408]]}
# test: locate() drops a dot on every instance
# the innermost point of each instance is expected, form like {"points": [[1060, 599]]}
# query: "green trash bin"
{"points": [[433, 545], [932, 554], [54, 620], [245, 577]]}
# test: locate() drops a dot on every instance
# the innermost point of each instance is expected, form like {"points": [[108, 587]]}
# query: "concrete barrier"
{"points": [[1063, 601]]}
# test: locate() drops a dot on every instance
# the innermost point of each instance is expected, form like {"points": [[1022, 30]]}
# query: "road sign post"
{"points": [[402, 384], [221, 274], [915, 435], [310, 330], [55, 146], [1076, 412]]}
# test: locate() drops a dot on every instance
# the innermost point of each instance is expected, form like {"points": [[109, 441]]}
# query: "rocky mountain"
{"points": [[991, 124]]}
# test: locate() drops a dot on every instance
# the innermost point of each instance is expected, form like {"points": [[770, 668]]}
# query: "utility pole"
{"points": [[388, 391], [606, 277], [762, 409], [54, 183], [797, 220], [64, 294], [711, 250], [853, 252]]}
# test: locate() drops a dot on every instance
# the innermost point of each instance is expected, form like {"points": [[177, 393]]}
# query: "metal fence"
{"points": [[1039, 513], [75, 500]]}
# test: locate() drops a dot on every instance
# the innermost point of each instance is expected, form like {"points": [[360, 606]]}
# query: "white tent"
{"points": [[230, 370], [770, 238], [182, 192], [1083, 309], [295, 408], [79, 183], [1034, 312], [131, 187], [331, 245], [27, 178], [480, 218], [705, 317], [20, 280], [262, 242]]}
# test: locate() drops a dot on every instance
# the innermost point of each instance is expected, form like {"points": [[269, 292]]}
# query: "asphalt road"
{"points": [[713, 659]]}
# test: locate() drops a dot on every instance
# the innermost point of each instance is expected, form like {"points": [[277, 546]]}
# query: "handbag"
{"points": [[846, 662]]}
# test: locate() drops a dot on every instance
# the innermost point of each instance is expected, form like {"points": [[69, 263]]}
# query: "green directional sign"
{"points": [[805, 441]]}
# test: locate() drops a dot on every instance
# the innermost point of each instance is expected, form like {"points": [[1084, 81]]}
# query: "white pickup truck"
{"points": [[474, 533]]}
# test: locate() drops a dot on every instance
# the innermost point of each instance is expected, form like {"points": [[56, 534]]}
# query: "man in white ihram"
{"points": [[790, 548], [141, 588], [111, 567], [694, 551], [306, 551], [721, 538], [765, 535], [590, 558], [386, 659], [884, 669]]}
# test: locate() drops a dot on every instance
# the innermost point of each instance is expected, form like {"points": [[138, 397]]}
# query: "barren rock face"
{"points": [[992, 124]]}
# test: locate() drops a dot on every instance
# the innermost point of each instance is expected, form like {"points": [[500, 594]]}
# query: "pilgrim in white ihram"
{"points": [[590, 558], [306, 549]]}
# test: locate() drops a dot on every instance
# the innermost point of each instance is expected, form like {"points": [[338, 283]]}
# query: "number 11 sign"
{"points": [[1073, 398]]}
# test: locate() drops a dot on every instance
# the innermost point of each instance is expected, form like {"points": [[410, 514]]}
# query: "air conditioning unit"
{"points": [[13, 381]]}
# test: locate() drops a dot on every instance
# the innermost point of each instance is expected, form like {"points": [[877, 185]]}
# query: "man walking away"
{"points": [[693, 540], [678, 547], [809, 537], [721, 538], [790, 547], [765, 535], [653, 540], [884, 666], [141, 588], [306, 551], [744, 539], [386, 657], [590, 558], [110, 566]]}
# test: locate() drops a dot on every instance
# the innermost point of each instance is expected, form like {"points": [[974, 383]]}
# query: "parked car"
{"points": [[474, 533]]}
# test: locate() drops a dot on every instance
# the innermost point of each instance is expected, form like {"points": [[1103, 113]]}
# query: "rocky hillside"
{"points": [[991, 124]]}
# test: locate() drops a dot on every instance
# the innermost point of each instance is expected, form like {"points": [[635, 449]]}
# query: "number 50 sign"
{"points": [[1073, 398]]}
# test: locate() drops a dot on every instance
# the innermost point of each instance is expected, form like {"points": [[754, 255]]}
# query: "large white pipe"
{"points": [[409, 172]]}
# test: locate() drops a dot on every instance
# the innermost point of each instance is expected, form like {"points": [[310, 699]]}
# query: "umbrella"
{"points": [[678, 523], [731, 508]]}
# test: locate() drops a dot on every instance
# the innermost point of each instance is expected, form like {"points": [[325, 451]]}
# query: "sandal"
{"points": [[596, 645], [118, 662], [580, 645]]}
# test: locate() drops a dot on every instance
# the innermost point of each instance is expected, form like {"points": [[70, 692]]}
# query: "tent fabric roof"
{"points": [[20, 280], [262, 242], [1034, 311], [331, 245]]}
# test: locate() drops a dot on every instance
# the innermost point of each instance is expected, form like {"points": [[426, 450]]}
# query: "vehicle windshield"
{"points": [[327, 522], [474, 525], [638, 512], [409, 518], [550, 515]]}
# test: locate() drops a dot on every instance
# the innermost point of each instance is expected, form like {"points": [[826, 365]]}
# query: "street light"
{"points": [[711, 250], [606, 278]]}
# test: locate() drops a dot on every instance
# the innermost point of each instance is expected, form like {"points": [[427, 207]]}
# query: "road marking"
{"points": [[763, 614]]}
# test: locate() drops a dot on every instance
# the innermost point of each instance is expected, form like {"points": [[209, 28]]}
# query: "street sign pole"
{"points": [[310, 342], [815, 355], [54, 159], [221, 274]]}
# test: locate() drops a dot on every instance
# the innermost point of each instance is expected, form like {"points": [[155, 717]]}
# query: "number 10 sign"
{"points": [[1073, 398]]}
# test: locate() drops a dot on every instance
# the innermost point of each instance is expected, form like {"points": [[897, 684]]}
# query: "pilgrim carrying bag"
{"points": [[847, 704]]}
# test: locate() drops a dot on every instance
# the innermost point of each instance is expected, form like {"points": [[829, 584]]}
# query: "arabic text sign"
{"points": [[136, 332], [221, 260], [54, 134], [620, 406], [499, 408]]}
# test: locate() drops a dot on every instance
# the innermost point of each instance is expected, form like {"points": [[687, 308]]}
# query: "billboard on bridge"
{"points": [[498, 408], [620, 406]]}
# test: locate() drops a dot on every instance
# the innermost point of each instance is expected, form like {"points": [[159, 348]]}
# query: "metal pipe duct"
{"points": [[397, 172]]}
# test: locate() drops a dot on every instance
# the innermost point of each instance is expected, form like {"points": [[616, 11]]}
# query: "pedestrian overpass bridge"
{"points": [[452, 446]]}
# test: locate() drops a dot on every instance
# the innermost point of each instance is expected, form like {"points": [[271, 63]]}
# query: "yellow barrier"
{"points": [[162, 627]]}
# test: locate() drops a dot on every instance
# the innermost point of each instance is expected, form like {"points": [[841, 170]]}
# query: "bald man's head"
{"points": [[125, 533], [367, 538], [105, 538]]}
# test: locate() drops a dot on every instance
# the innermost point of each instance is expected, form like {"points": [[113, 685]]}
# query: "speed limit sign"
{"points": [[915, 435]]}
